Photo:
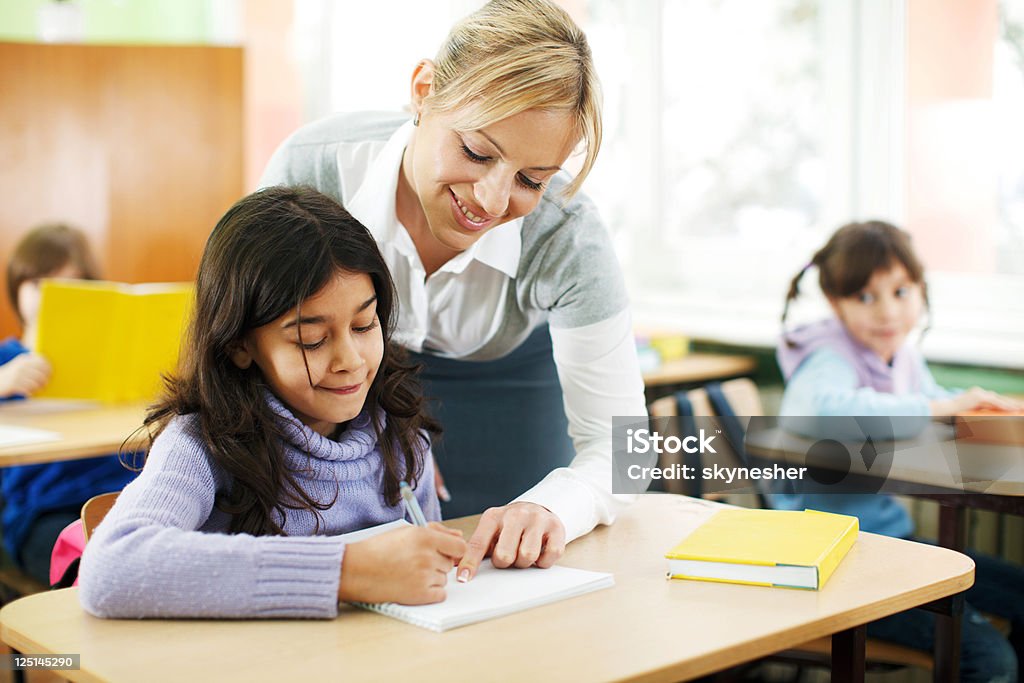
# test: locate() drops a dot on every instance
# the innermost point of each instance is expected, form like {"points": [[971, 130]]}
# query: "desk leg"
{"points": [[948, 613], [952, 535], [848, 655], [953, 527]]}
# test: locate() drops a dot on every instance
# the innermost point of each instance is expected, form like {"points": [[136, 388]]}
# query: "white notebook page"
{"points": [[497, 592], [492, 592]]}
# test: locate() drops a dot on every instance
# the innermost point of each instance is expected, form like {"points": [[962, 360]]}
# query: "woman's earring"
{"points": [[416, 121]]}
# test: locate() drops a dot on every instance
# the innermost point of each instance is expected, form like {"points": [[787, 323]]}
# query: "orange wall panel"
{"points": [[140, 146]]}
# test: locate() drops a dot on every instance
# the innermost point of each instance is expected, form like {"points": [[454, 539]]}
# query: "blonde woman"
{"points": [[511, 296]]}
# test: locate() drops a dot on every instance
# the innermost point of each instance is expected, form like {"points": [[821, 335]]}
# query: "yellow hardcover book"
{"points": [[785, 548], [109, 341]]}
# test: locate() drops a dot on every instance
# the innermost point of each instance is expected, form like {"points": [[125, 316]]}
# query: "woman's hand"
{"points": [[518, 534], [974, 398], [408, 565], [24, 374]]}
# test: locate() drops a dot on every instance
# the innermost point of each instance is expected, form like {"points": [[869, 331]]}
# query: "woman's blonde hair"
{"points": [[513, 55]]}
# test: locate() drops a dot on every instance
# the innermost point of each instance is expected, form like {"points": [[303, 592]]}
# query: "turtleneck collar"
{"points": [[900, 376], [357, 441]]}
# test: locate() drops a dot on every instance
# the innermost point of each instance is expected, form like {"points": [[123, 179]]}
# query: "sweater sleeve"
{"points": [[149, 559], [826, 386]]}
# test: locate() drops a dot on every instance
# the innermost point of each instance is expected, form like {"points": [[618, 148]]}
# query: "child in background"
{"points": [[40, 500], [292, 419], [859, 363]]}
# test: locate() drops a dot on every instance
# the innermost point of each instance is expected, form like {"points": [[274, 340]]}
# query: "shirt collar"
{"points": [[373, 205]]}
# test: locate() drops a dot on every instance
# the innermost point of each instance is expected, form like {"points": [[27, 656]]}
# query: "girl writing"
{"points": [[860, 363], [291, 419]]}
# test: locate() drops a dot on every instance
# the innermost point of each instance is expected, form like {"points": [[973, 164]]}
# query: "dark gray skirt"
{"points": [[504, 424]]}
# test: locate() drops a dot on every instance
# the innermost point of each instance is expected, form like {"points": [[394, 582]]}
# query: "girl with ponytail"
{"points": [[859, 363]]}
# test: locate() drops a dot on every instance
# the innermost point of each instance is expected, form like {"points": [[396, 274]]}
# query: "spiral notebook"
{"points": [[493, 593]]}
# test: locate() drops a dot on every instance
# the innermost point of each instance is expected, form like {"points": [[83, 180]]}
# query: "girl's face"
{"points": [[882, 314], [343, 345], [465, 183]]}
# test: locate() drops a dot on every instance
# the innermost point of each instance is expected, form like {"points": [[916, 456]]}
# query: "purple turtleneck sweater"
{"points": [[164, 551]]}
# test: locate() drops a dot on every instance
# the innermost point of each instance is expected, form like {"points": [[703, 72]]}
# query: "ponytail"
{"points": [[791, 295]]}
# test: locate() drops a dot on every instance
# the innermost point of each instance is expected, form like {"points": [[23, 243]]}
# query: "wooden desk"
{"points": [[646, 628], [932, 462], [85, 430], [695, 368]]}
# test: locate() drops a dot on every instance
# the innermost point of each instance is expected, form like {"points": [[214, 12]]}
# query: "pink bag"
{"points": [[66, 551]]}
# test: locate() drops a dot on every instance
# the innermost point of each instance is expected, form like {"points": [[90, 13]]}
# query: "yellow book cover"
{"points": [[786, 548], [109, 341]]}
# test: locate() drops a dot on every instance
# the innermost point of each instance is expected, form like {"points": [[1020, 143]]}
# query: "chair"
{"points": [[94, 510], [744, 399], [742, 394], [878, 655]]}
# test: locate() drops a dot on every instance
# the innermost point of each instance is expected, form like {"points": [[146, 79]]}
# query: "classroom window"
{"points": [[1008, 98], [732, 119], [740, 135]]}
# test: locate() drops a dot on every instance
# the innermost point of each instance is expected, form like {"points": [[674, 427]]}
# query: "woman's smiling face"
{"points": [[466, 183]]}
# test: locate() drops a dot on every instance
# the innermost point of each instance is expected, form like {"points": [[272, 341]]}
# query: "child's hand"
{"points": [[409, 566], [24, 374], [974, 398]]}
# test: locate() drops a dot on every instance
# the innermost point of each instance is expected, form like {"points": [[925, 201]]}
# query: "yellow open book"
{"points": [[786, 548], [109, 341]]}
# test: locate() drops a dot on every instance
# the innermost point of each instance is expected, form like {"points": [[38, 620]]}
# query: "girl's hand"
{"points": [[409, 565], [518, 534], [24, 374], [974, 398]]}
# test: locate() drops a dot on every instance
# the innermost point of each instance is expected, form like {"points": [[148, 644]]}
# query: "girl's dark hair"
{"points": [[853, 254], [43, 251], [270, 252]]}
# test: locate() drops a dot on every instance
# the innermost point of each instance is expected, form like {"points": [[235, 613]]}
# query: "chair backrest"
{"points": [[94, 510], [742, 394], [745, 401]]}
